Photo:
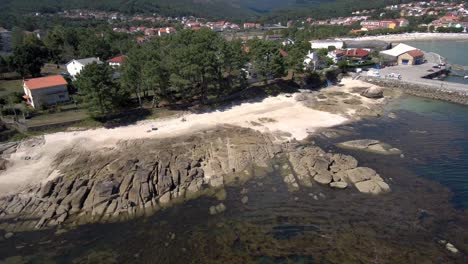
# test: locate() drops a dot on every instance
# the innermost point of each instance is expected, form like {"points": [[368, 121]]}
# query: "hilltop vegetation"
{"points": [[241, 9]]}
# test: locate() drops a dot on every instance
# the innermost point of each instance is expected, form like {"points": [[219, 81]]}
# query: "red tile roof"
{"points": [[45, 82], [415, 53], [357, 53], [118, 59]]}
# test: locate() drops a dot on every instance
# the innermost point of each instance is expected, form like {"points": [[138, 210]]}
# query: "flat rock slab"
{"points": [[370, 145]]}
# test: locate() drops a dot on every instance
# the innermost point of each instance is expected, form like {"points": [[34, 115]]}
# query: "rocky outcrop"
{"points": [[336, 170], [140, 176], [373, 92], [370, 145]]}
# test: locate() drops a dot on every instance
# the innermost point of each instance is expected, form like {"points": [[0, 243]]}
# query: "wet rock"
{"points": [[338, 185], [450, 247], [372, 187], [217, 209], [392, 115], [370, 145], [360, 174], [245, 199], [323, 177]]}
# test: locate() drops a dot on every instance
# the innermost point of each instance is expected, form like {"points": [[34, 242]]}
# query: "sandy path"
{"points": [[32, 164]]}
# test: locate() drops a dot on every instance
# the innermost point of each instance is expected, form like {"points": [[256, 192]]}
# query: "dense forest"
{"points": [[240, 9]]}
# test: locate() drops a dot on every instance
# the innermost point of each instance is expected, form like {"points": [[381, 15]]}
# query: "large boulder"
{"points": [[360, 174], [324, 177], [373, 186], [373, 92]]}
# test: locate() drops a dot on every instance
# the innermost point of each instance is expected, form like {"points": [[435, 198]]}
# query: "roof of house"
{"points": [[398, 50], [357, 53], [415, 53], [87, 61], [117, 59], [45, 82]]}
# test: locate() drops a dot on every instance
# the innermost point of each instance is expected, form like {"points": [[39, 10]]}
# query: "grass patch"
{"points": [[10, 86], [57, 117], [51, 69]]}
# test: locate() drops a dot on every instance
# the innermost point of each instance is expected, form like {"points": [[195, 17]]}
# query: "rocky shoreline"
{"points": [[454, 96], [139, 177]]}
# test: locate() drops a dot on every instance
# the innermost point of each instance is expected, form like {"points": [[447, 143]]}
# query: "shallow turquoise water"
{"points": [[447, 138]]}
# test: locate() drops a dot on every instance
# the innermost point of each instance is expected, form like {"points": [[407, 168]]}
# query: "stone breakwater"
{"points": [[448, 94], [138, 177]]}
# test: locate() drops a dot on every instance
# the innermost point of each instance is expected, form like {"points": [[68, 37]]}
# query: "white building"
{"points": [[45, 91], [325, 44], [74, 67], [311, 61]]}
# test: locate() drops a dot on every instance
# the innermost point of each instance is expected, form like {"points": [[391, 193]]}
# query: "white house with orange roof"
{"points": [[116, 61], [48, 90]]}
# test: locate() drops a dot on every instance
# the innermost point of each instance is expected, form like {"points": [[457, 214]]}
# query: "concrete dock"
{"points": [[418, 80], [415, 74]]}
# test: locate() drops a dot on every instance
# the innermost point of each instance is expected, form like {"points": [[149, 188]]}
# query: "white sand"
{"points": [[414, 36], [290, 117]]}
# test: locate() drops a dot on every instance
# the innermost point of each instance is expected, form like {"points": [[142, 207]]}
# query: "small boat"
{"points": [[466, 77]]}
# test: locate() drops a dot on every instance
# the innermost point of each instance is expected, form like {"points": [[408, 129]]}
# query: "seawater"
{"points": [[455, 51]]}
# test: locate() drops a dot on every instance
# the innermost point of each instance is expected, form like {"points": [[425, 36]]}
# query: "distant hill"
{"points": [[272, 10], [205, 8]]}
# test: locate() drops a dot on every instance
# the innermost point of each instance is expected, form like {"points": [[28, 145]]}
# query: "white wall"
{"points": [[47, 96], [325, 45], [74, 68]]}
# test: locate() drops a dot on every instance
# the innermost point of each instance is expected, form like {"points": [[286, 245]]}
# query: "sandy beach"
{"points": [[283, 115], [415, 36]]}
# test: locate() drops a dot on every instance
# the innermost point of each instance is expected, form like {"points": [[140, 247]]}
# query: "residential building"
{"points": [[357, 54], [311, 61], [252, 25], [384, 24], [45, 91], [116, 61], [336, 55], [74, 67]]}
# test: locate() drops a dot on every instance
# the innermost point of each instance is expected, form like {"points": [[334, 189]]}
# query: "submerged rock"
{"points": [[8, 235], [216, 209], [450, 247], [370, 145], [339, 185]]}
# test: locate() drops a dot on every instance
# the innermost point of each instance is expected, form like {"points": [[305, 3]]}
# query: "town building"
{"points": [[403, 54], [412, 57], [336, 55], [384, 24], [252, 25], [74, 67], [116, 61], [357, 54], [45, 91]]}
